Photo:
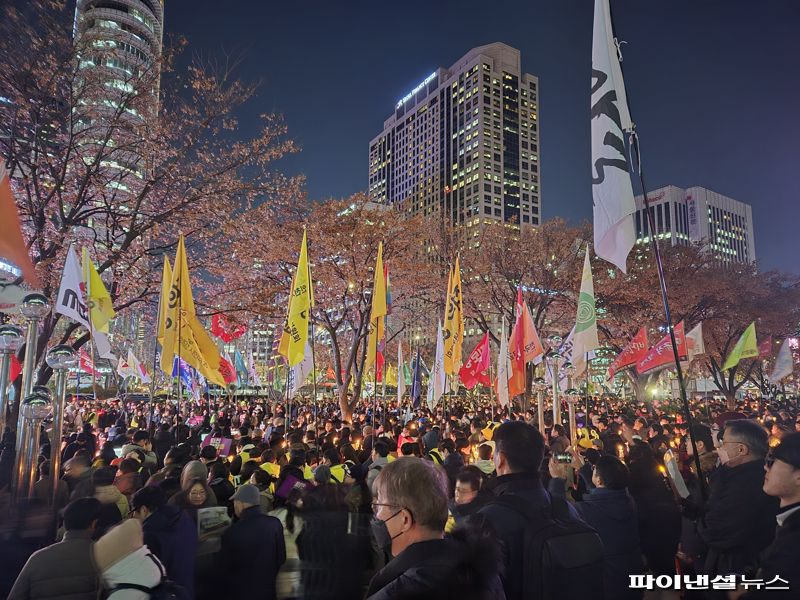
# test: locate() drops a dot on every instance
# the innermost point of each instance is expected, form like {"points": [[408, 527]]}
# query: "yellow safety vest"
{"points": [[338, 473]]}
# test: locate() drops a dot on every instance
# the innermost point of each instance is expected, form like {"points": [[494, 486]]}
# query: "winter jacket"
{"points": [[444, 569], [612, 513], [254, 544], [140, 567], [110, 494], [63, 571], [781, 559], [739, 521], [509, 524], [171, 535]]}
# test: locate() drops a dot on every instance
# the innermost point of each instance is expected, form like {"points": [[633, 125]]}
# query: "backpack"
{"points": [[166, 589], [561, 554]]}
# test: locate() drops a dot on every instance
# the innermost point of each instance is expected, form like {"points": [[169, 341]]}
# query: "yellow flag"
{"points": [[166, 280], [299, 309], [98, 300], [746, 347], [453, 323], [378, 312], [283, 344], [184, 335]]}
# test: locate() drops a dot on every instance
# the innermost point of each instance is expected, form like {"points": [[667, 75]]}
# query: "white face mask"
{"points": [[723, 455]]}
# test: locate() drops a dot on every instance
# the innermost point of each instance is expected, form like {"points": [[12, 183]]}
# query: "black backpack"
{"points": [[561, 555], [166, 589]]}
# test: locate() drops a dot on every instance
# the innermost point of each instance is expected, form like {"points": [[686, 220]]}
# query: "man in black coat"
{"points": [[739, 519], [169, 532], [609, 509], [519, 449], [410, 512], [254, 545], [781, 558]]}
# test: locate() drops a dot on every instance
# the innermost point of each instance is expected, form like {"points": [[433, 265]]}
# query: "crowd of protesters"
{"points": [[465, 502]]}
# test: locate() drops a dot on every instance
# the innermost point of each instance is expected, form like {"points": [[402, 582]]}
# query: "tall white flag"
{"points": [[784, 363], [401, 379], [694, 342], [299, 373], [252, 372], [71, 302], [124, 368], [612, 194], [503, 368], [437, 376], [585, 337]]}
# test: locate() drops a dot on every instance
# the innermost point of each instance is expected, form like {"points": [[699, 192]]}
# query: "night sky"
{"points": [[714, 87]]}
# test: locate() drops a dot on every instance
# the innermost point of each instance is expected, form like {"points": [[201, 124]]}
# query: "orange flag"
{"points": [[12, 246], [516, 352]]}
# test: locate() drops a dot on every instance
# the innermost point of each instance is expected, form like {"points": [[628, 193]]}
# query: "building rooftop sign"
{"points": [[413, 92]]}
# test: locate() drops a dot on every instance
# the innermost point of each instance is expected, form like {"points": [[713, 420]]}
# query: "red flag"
{"points": [[475, 369], [16, 369], [379, 365], [86, 364], [225, 330], [765, 348], [226, 370], [516, 350], [12, 246], [661, 355], [631, 354]]}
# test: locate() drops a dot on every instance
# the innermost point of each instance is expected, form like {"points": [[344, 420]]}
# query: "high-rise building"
{"points": [[464, 143], [697, 214], [119, 50], [134, 29]]}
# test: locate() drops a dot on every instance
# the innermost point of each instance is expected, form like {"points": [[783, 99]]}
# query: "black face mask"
{"points": [[382, 536]]}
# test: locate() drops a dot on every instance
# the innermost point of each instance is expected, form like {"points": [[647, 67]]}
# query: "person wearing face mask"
{"points": [[410, 511], [738, 520], [780, 559]]}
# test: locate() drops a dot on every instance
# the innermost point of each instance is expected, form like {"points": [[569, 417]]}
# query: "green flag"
{"points": [[408, 376], [746, 347], [585, 337]]}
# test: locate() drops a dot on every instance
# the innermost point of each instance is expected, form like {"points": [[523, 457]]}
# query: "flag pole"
{"points": [[636, 154], [586, 419], [375, 378], [288, 415], [313, 345]]}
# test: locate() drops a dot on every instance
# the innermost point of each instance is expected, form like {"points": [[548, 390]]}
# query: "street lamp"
{"points": [[10, 341], [554, 360], [572, 400], [34, 308], [61, 359], [540, 385], [33, 409]]}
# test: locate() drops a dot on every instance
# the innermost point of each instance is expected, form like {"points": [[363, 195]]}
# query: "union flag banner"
{"points": [[631, 354], [475, 370], [661, 355]]}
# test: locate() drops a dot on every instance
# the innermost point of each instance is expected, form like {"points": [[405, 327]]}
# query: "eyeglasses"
{"points": [[376, 506]]}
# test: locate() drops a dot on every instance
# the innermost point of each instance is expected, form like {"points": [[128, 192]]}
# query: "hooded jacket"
{"points": [[140, 567], [122, 558]]}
